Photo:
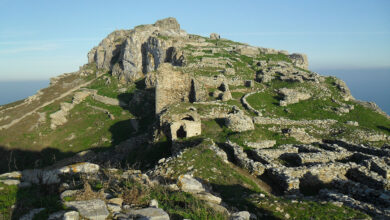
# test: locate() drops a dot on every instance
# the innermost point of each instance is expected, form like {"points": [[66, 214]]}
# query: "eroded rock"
{"points": [[92, 209]]}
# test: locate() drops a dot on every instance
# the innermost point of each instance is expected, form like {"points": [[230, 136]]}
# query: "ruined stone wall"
{"points": [[172, 86]]}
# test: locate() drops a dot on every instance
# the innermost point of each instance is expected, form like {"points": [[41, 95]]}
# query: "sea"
{"points": [[365, 84], [11, 91]]}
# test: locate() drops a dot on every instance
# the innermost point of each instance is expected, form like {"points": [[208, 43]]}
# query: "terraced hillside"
{"points": [[205, 127]]}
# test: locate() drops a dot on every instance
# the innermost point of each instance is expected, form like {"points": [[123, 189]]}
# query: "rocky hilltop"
{"points": [[162, 124]]}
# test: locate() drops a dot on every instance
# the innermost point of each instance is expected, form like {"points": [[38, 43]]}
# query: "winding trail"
{"points": [[46, 104]]}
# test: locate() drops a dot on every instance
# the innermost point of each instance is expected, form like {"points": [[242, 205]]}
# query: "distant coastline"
{"points": [[11, 91], [365, 84]]}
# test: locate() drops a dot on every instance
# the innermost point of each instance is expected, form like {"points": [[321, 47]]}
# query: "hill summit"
{"points": [[162, 124]]}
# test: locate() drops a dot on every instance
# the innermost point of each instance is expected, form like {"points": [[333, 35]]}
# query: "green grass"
{"points": [[274, 57], [316, 210], [236, 188], [318, 109], [90, 128], [163, 37], [222, 42], [233, 186], [178, 204], [261, 132], [86, 128], [110, 90], [145, 157], [181, 205], [7, 198], [25, 199]]}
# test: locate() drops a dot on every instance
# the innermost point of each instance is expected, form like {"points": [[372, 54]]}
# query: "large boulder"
{"points": [[189, 184], [64, 215], [243, 215], [238, 121], [299, 60], [91, 209], [51, 176], [148, 214]]}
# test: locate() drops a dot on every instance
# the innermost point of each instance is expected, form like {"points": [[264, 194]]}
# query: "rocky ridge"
{"points": [[269, 127]]}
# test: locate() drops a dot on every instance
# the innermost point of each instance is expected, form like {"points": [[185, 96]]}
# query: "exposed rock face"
{"points": [[214, 36], [131, 54], [345, 92], [108, 50], [149, 214], [299, 60], [191, 79], [90, 209]]}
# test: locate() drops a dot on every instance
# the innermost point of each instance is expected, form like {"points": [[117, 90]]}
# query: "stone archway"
{"points": [[181, 132]]}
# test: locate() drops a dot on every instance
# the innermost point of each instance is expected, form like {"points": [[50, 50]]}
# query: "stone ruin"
{"points": [[356, 175], [181, 125], [173, 86]]}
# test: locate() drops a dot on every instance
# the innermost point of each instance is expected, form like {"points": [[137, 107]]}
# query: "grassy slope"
{"points": [[319, 108], [239, 189], [95, 129]]}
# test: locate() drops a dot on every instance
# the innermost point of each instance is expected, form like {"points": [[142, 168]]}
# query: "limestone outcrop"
{"points": [[209, 122], [300, 60], [133, 53]]}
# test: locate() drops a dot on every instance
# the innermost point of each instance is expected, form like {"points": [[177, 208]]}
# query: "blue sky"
{"points": [[41, 39]]}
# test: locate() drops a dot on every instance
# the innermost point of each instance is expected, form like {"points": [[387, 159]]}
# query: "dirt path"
{"points": [[45, 104]]}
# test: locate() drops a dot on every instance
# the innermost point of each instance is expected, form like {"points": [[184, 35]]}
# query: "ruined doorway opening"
{"points": [[192, 96], [181, 133], [188, 118]]}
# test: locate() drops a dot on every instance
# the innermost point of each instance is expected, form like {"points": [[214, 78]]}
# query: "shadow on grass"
{"points": [[237, 196], [20, 159], [36, 196], [384, 128]]}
